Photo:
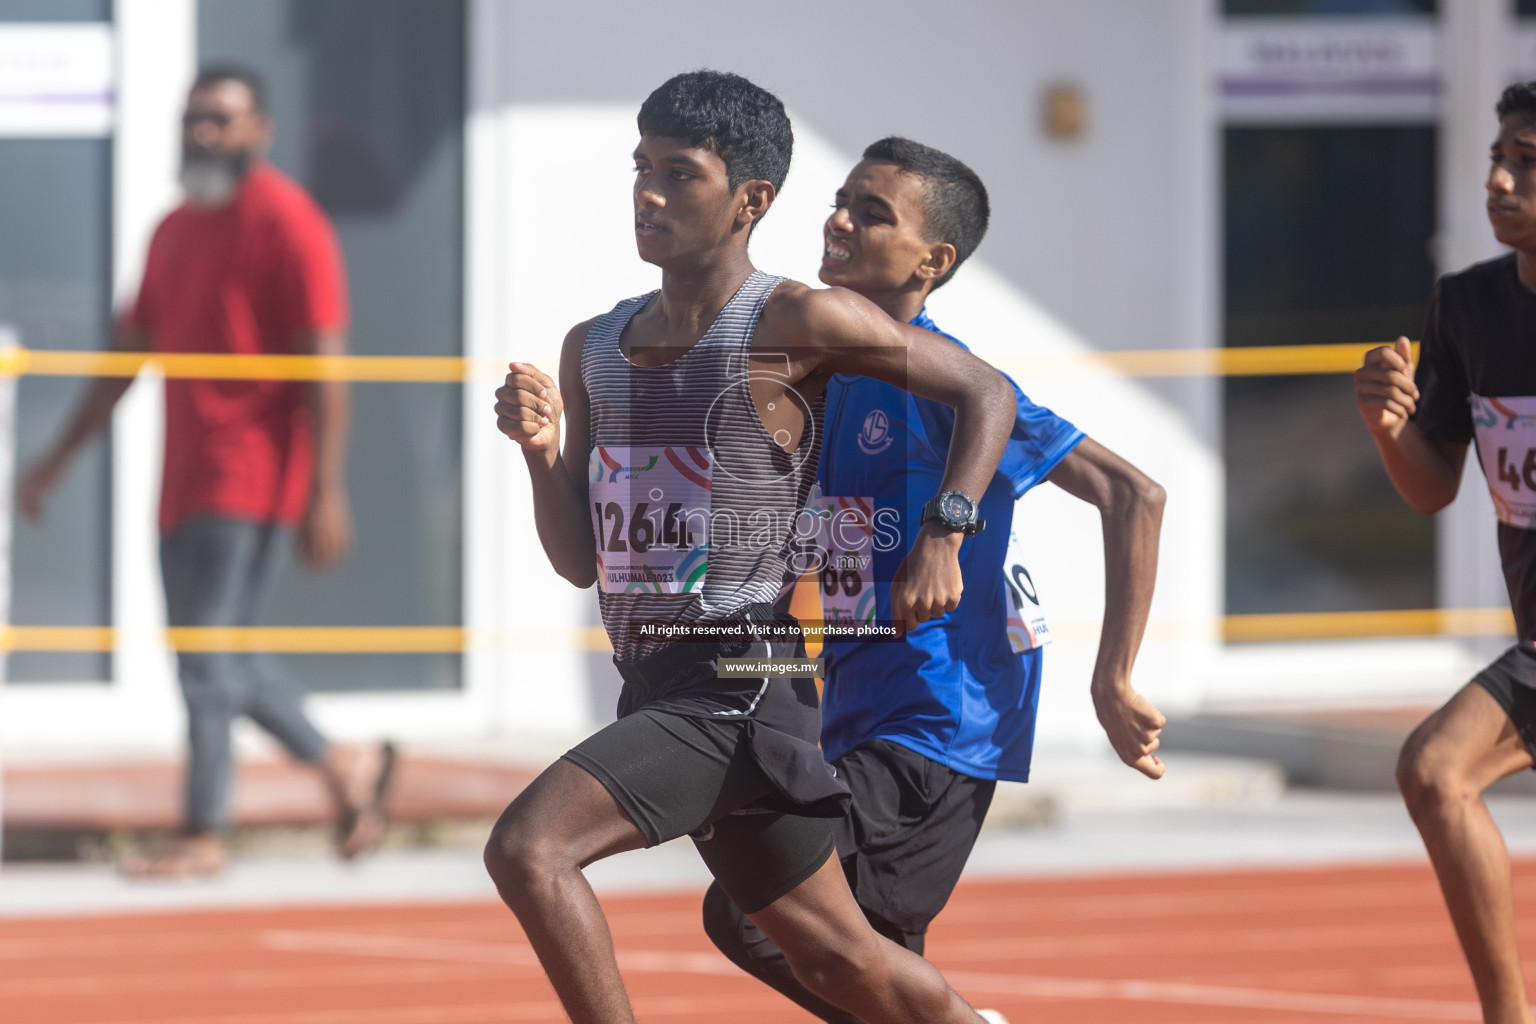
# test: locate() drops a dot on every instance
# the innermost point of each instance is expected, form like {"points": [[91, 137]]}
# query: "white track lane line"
{"points": [[1029, 986], [410, 948], [1189, 994], [713, 1007]]}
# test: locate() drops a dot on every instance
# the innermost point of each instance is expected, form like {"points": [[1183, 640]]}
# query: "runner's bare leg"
{"points": [[562, 822], [839, 957], [1448, 761]]}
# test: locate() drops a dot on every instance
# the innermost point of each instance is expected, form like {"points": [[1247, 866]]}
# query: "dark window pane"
{"points": [[1323, 8], [55, 10], [1326, 240], [368, 100], [54, 272]]}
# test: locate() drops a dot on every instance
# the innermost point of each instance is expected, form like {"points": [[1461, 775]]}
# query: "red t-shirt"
{"points": [[251, 276]]}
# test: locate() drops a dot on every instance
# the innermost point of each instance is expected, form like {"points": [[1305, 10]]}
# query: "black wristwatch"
{"points": [[954, 511]]}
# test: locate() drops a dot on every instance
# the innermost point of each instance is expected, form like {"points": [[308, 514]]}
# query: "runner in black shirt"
{"points": [[1476, 382]]}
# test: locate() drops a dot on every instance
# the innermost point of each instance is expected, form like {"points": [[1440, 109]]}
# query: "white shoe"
{"points": [[992, 1017]]}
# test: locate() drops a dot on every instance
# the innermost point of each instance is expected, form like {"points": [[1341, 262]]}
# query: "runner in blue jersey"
{"points": [[922, 728]]}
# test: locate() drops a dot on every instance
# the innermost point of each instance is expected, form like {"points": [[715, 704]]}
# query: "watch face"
{"points": [[956, 508]]}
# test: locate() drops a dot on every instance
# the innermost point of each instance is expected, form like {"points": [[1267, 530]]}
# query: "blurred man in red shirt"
{"points": [[247, 264]]}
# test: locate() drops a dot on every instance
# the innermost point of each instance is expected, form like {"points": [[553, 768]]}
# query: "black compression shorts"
{"points": [[1512, 681]]}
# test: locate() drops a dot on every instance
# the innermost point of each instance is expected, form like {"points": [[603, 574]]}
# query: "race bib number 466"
{"points": [[1506, 443], [650, 513]]}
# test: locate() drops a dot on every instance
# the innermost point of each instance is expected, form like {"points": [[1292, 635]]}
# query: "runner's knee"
{"points": [[1426, 775], [518, 858], [831, 966], [722, 923]]}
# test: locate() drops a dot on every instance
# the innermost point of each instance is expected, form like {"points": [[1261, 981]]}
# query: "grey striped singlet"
{"points": [[703, 399]]}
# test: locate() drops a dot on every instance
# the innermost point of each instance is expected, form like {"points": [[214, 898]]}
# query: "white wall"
{"points": [[1096, 228], [1105, 243]]}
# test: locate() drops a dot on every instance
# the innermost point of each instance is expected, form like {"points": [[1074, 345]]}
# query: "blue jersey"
{"points": [[953, 689]]}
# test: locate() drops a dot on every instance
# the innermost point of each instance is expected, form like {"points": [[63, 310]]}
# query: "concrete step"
{"points": [[93, 811], [1348, 749], [64, 812], [1065, 784]]}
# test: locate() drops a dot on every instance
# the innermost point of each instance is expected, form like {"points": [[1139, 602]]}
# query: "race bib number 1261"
{"points": [[1506, 443], [650, 513]]}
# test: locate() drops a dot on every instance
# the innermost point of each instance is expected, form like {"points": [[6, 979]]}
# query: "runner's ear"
{"points": [[756, 197], [941, 256]]}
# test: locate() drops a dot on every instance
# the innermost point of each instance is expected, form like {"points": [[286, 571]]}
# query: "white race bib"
{"points": [[650, 513], [845, 553], [1026, 622], [1506, 443]]}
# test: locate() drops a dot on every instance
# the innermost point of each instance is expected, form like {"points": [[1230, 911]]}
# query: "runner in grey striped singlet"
{"points": [[695, 511], [700, 400]]}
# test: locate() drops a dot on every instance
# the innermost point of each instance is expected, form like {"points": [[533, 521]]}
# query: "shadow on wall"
{"points": [[374, 117]]}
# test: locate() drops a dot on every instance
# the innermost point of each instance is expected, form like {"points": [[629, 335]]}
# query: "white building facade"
{"points": [[1108, 239]]}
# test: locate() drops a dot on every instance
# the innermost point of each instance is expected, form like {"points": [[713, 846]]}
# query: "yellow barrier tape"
{"points": [[228, 366], [57, 638], [1273, 360], [454, 640], [1259, 361], [1342, 625], [310, 639], [292, 639]]}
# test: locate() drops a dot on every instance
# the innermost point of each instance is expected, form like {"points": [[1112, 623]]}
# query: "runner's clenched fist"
{"points": [[528, 408], [1384, 388]]}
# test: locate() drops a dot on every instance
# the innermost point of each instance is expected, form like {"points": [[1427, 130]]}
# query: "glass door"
{"points": [[55, 293]]}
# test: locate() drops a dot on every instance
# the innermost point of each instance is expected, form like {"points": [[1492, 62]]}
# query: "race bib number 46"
{"points": [[650, 513], [1506, 443]]}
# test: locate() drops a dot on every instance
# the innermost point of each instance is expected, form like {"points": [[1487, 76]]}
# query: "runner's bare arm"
{"points": [[850, 334], [92, 413], [528, 409], [1426, 473], [843, 332], [1130, 506]]}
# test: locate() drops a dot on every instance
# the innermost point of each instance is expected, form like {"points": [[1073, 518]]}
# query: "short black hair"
{"points": [[955, 206], [1519, 98], [740, 122], [213, 74]]}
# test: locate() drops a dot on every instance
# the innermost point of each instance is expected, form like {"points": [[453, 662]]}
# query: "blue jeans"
{"points": [[215, 571]]}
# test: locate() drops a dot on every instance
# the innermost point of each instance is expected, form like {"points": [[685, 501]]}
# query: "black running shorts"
{"points": [[908, 832], [676, 775], [1512, 682]]}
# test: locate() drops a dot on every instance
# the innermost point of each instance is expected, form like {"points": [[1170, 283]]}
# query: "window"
{"points": [[368, 101], [1325, 8], [55, 292], [1326, 240]]}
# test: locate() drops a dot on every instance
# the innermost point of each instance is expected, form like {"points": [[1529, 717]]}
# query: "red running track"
{"points": [[1353, 945]]}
